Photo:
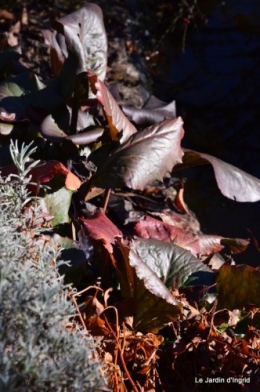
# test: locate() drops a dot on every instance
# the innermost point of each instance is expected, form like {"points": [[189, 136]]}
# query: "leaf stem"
{"points": [[74, 115], [106, 199]]}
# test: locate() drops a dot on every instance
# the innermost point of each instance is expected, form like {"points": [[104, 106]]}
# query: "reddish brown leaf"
{"points": [[46, 171], [99, 227], [97, 326], [117, 121], [154, 228], [7, 117], [183, 221], [197, 244], [56, 54], [4, 14], [180, 203]]}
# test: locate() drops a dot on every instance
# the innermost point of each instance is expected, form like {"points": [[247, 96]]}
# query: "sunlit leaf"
{"points": [[6, 128], [85, 138], [45, 171], [50, 130], [146, 156], [85, 38], [233, 182], [152, 304], [154, 111], [7, 117], [99, 227], [57, 204], [172, 263], [186, 222], [238, 286], [197, 244], [119, 125]]}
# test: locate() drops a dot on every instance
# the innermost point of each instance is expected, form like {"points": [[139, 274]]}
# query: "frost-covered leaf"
{"points": [[146, 156]]}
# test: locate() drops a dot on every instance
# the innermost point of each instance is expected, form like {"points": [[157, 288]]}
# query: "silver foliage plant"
{"points": [[37, 353]]}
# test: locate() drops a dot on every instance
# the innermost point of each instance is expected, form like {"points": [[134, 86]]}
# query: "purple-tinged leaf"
{"points": [[85, 38], [85, 138], [146, 156], [154, 111], [51, 131], [232, 182]]}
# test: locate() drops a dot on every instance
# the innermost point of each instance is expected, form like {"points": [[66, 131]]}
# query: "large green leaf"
{"points": [[232, 182], [172, 263], [14, 94], [6, 128], [146, 156], [20, 92], [57, 204], [237, 286], [149, 302]]}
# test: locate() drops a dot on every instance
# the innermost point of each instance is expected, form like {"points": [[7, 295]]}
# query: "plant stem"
{"points": [[74, 116], [106, 199]]}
